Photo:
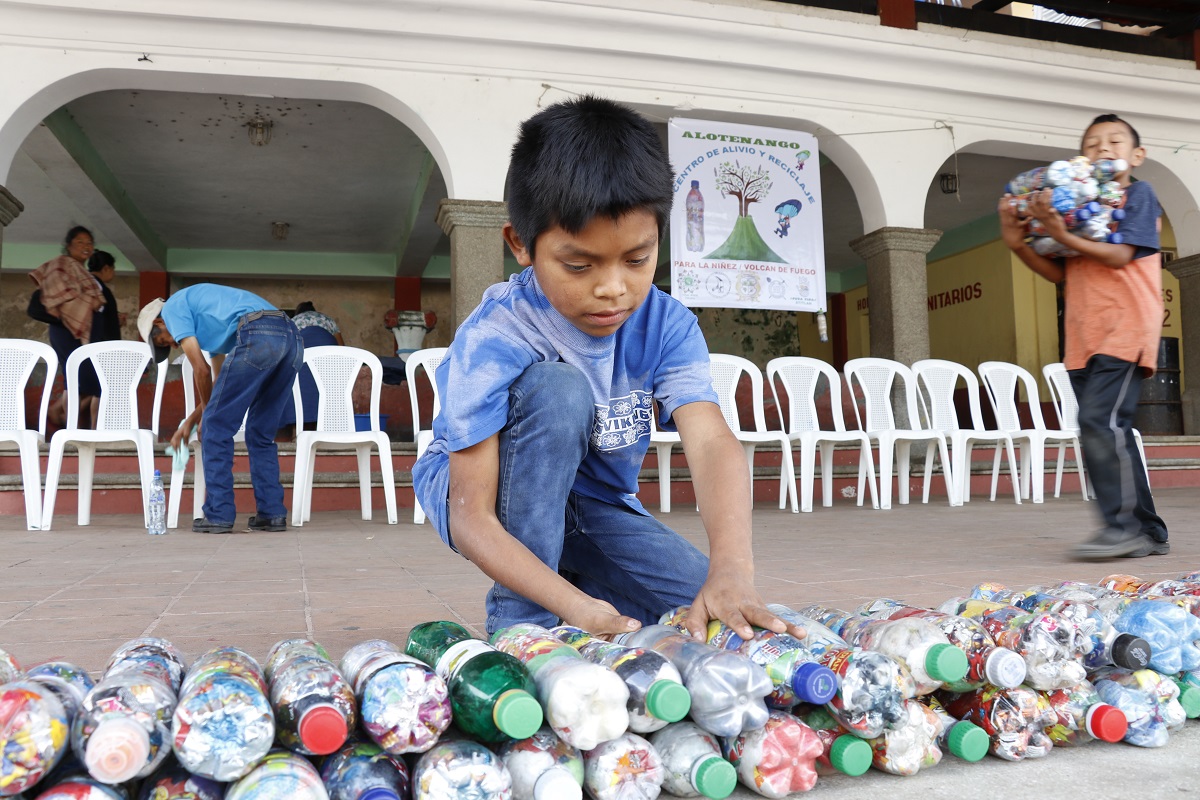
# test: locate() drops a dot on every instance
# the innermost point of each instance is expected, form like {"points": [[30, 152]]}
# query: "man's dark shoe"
{"points": [[271, 524], [1113, 543], [203, 525], [1151, 547]]}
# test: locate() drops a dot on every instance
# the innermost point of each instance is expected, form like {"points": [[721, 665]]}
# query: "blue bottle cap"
{"points": [[379, 793], [814, 683]]}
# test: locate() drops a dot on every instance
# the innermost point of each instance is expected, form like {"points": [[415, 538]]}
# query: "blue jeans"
{"points": [[611, 552], [257, 376]]}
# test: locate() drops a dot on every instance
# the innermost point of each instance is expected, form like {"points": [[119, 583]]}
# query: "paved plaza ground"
{"points": [[77, 593]]}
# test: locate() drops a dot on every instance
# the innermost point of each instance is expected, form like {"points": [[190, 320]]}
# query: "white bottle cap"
{"points": [[557, 783], [1004, 668], [117, 750]]}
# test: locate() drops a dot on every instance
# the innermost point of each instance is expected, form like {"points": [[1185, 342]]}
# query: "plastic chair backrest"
{"points": [[875, 377], [429, 359], [801, 378], [160, 385], [335, 370], [18, 357], [119, 365], [726, 371], [936, 381], [1062, 394], [1002, 380]]}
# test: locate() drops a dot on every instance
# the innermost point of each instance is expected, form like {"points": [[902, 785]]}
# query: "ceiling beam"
{"points": [[415, 244]]}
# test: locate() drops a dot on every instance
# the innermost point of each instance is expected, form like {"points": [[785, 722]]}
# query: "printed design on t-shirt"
{"points": [[623, 421]]}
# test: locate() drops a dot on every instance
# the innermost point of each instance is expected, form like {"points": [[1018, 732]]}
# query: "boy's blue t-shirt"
{"points": [[1140, 225], [658, 355], [210, 313]]}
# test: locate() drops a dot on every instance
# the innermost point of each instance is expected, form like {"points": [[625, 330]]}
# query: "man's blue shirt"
{"points": [[210, 313]]}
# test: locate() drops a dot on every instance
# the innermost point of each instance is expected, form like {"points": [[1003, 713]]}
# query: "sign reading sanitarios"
{"points": [[746, 224]]}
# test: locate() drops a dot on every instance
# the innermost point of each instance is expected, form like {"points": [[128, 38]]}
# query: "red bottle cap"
{"points": [[1107, 723], [323, 729]]}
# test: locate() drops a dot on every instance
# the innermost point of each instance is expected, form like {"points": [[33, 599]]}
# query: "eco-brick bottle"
{"points": [[543, 767], [491, 692], [625, 768], [173, 782], [363, 771], [34, 735], [403, 703], [460, 769], [315, 708], [280, 774], [778, 758], [692, 762]]}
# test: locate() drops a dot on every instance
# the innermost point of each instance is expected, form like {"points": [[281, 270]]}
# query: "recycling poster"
{"points": [[746, 223]]}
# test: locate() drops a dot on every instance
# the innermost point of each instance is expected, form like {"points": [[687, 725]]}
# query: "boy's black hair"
{"points": [[99, 260], [1137, 140], [582, 158]]}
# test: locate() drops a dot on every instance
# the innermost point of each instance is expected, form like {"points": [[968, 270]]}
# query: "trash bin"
{"points": [[1160, 409]]}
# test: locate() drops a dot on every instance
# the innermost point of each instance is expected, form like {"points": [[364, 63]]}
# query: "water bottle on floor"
{"points": [[404, 704], [692, 762], [656, 692], [491, 692], [69, 682], [544, 767], [841, 751], [281, 775], [157, 507], [363, 771], [34, 735], [778, 758], [173, 782], [727, 688], [585, 703], [625, 768], [1015, 720], [457, 769], [1081, 716], [223, 724], [314, 706], [1150, 702], [1172, 633]]}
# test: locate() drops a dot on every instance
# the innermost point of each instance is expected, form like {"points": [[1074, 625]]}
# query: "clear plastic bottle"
{"points": [[585, 703], [460, 769], [69, 682], [1081, 716], [692, 762], [625, 768], [34, 735], [841, 751], [656, 692], [157, 524], [1130, 585], [363, 771], [986, 663], [173, 782], [931, 659], [1150, 702], [150, 653], [543, 767], [727, 689], [404, 704], [791, 666], [1014, 719], [80, 787], [778, 758], [960, 738], [1172, 633], [280, 775], [694, 212], [911, 746], [491, 692], [314, 706], [10, 669], [223, 723]]}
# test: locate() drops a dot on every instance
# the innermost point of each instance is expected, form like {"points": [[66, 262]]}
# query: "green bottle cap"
{"points": [[668, 700], [517, 714], [714, 777], [968, 741], [850, 755], [946, 663], [1189, 698]]}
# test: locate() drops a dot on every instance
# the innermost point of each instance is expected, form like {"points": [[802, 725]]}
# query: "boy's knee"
{"points": [[559, 388]]}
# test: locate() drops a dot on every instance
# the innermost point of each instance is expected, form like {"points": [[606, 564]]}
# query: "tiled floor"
{"points": [[77, 593]]}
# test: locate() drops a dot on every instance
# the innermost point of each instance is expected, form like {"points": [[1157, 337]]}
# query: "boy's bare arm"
{"points": [[1013, 232], [722, 482], [478, 535]]}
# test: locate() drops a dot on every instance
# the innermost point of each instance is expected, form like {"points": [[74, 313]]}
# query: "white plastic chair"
{"points": [[428, 359], [663, 442], [18, 357], [1066, 408], [936, 381], [335, 370], [875, 378], [726, 371], [1002, 381], [800, 377], [119, 366]]}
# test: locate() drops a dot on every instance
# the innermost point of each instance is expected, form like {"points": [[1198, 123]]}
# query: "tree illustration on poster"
{"points": [[748, 185]]}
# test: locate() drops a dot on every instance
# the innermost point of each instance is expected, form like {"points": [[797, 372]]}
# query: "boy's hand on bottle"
{"points": [[1041, 210], [734, 602], [1013, 229], [600, 619]]}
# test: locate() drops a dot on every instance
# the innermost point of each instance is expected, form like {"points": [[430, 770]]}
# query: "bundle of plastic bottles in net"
{"points": [[557, 714], [1085, 194]]}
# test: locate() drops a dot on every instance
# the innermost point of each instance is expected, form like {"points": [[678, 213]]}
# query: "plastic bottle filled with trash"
{"points": [[123, 728], [692, 762], [959, 738], [917, 643], [34, 735], [793, 669], [69, 682], [491, 692], [314, 706], [727, 688], [656, 692], [872, 687], [223, 723], [1172, 633], [585, 703], [1081, 716], [778, 758], [173, 782], [363, 771], [1015, 720], [625, 768], [841, 751], [1052, 647], [1131, 585], [280, 775], [911, 746], [544, 767], [82, 787], [10, 669], [1150, 702], [404, 704], [986, 663], [149, 653], [459, 769]]}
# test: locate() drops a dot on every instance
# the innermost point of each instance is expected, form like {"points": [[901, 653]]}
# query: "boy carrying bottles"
{"points": [[1113, 322], [547, 392]]}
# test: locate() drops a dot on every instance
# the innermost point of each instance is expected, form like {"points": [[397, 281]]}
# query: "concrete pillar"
{"points": [[898, 290], [476, 250], [1187, 270], [10, 209]]}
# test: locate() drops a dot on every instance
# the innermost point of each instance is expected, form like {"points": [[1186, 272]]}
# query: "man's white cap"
{"points": [[150, 312]]}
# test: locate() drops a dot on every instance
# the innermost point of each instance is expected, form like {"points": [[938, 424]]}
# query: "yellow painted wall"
{"points": [[810, 339], [858, 327], [971, 306]]}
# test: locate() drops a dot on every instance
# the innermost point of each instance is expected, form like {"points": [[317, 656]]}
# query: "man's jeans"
{"points": [[1108, 390], [611, 552], [257, 376]]}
